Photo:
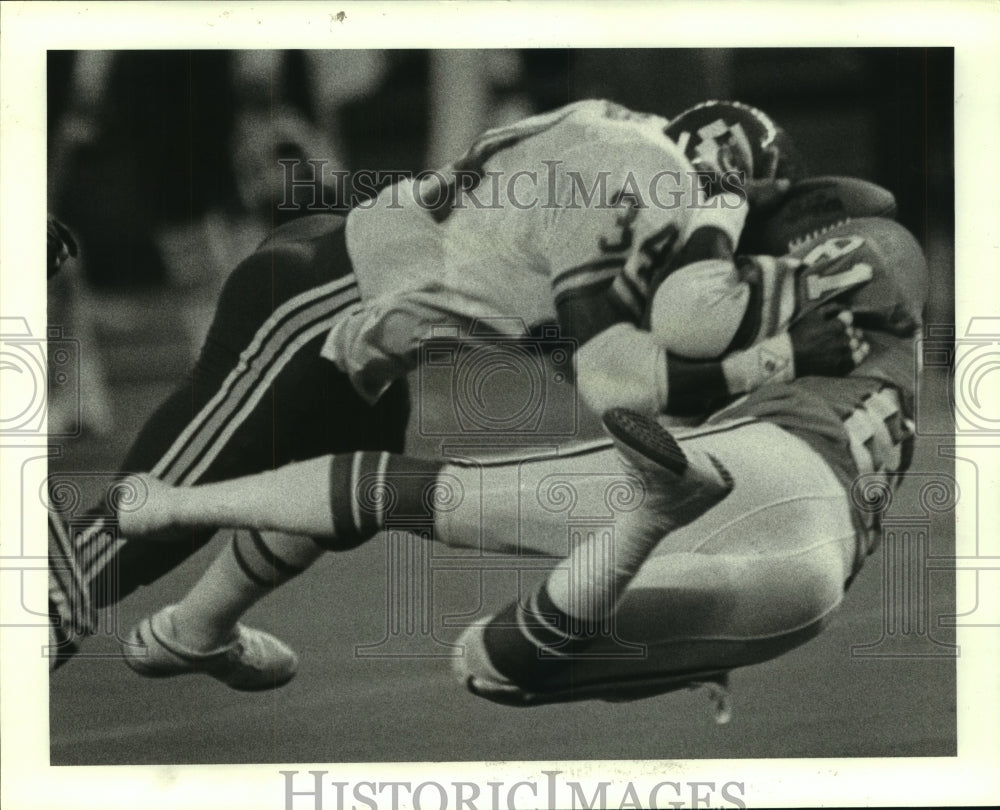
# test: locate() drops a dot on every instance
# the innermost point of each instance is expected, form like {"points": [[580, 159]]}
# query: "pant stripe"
{"points": [[276, 343], [263, 334], [101, 546], [267, 343], [255, 390]]}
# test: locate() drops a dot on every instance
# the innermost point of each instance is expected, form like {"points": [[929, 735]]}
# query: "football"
{"points": [[811, 208]]}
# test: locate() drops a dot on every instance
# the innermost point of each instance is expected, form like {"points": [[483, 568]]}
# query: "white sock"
{"points": [[250, 566]]}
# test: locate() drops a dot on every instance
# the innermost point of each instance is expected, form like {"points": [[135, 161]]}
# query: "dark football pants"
{"points": [[258, 397]]}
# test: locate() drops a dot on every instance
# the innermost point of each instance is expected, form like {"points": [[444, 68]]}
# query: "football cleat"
{"points": [[253, 661], [71, 615], [680, 486], [614, 690]]}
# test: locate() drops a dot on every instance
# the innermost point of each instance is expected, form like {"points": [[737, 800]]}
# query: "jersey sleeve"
{"points": [[379, 341], [874, 267]]}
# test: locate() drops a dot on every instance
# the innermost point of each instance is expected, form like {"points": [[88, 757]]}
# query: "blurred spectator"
{"points": [[71, 409], [140, 142]]}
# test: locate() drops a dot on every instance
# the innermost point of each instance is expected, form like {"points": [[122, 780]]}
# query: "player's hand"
{"points": [[60, 245], [826, 343]]}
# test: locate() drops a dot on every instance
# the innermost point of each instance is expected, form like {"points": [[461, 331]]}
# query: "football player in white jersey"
{"points": [[563, 217], [710, 555], [315, 332]]}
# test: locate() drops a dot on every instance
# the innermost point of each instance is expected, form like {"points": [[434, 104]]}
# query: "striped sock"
{"points": [[528, 644], [272, 560], [248, 568], [368, 488]]}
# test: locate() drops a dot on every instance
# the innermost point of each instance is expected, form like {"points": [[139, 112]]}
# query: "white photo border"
{"points": [[29, 29]]}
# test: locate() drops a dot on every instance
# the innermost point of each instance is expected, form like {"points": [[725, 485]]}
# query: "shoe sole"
{"points": [[137, 664], [612, 690], [645, 436]]}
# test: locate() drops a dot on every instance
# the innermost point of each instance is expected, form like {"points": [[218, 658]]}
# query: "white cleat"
{"points": [[253, 661], [680, 486]]}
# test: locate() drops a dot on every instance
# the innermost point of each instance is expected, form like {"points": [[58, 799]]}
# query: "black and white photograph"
{"points": [[478, 405]]}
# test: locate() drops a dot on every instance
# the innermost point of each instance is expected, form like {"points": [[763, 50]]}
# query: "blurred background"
{"points": [[165, 166]]}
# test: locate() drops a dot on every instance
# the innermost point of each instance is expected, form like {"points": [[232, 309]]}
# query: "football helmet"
{"points": [[729, 136]]}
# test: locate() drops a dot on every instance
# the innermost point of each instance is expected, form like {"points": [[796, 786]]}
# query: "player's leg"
{"points": [[342, 499], [577, 602], [348, 498], [180, 638], [269, 321], [507, 503], [201, 633], [744, 582]]}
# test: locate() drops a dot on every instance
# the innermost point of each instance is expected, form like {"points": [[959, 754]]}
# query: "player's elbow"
{"points": [[621, 368]]}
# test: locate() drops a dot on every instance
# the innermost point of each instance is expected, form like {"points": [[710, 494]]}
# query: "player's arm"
{"points": [[618, 230], [716, 333], [586, 312]]}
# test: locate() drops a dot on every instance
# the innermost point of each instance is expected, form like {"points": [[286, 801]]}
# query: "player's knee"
{"points": [[811, 595], [270, 275]]}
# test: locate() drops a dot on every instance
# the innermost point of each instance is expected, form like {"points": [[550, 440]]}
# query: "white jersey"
{"points": [[589, 199]]}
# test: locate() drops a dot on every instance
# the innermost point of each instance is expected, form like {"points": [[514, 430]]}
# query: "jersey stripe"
{"points": [[597, 285], [586, 274], [750, 325]]}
